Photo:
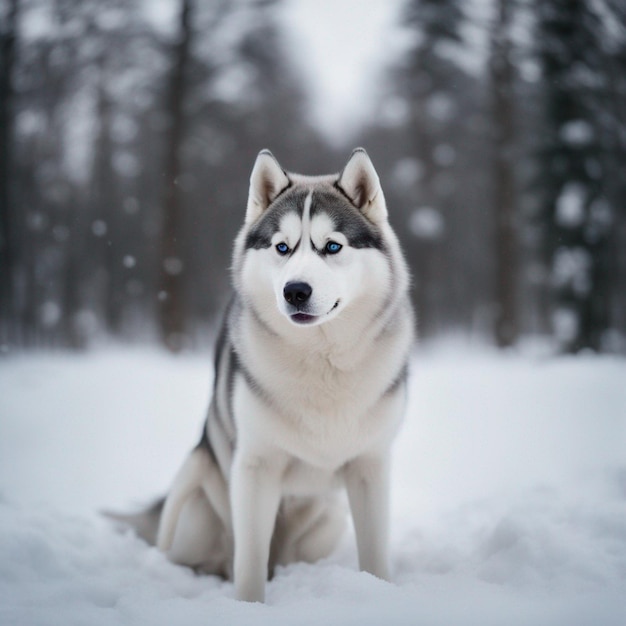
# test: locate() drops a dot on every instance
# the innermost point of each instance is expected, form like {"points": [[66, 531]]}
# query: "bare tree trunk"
{"points": [[425, 254], [8, 319], [504, 194], [172, 271], [108, 208]]}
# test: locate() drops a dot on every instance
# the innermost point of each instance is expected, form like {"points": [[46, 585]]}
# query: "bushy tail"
{"points": [[144, 523]]}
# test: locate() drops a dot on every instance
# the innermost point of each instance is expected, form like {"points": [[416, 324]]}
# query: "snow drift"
{"points": [[509, 497]]}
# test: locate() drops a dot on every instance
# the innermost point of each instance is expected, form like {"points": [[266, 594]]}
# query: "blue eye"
{"points": [[282, 248], [332, 247]]}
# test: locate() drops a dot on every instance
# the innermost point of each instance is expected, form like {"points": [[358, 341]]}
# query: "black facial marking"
{"points": [[261, 233], [347, 219]]}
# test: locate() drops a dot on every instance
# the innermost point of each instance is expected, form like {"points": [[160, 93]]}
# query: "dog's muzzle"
{"points": [[297, 293]]}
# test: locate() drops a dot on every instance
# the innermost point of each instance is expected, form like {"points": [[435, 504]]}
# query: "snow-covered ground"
{"points": [[509, 497]]}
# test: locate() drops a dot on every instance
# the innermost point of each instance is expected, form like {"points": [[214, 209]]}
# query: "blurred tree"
{"points": [[506, 220], [172, 270], [433, 90], [614, 133], [105, 122], [436, 24], [8, 241], [129, 190], [105, 201], [574, 176], [42, 187]]}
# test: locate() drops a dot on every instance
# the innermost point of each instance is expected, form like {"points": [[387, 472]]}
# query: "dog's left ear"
{"points": [[360, 182], [266, 181]]}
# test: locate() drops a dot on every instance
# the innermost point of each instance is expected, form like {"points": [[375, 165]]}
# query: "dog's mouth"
{"points": [[304, 318]]}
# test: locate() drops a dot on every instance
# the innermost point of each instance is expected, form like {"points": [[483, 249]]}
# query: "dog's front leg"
{"points": [[367, 483], [255, 497]]}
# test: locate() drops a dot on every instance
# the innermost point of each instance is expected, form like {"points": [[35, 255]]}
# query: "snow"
{"points": [[126, 164], [577, 133], [566, 324], [99, 228], [572, 266], [426, 223], [508, 507], [570, 205], [161, 14], [407, 171]]}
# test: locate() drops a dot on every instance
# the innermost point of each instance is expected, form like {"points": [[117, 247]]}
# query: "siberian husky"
{"points": [[309, 391]]}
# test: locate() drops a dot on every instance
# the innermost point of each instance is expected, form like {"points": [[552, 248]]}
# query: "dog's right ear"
{"points": [[266, 181]]}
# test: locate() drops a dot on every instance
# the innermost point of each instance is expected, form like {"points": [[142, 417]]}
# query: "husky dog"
{"points": [[310, 372]]}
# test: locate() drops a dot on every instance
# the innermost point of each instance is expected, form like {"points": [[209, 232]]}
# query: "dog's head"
{"points": [[313, 247]]}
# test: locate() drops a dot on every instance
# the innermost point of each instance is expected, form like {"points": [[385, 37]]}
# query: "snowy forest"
{"points": [[127, 138], [128, 132]]}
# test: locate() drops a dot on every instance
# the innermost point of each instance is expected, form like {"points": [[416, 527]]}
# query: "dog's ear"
{"points": [[359, 181], [266, 181]]}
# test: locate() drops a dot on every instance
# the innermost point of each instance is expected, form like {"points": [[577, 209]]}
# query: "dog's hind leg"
{"points": [[189, 478], [200, 539]]}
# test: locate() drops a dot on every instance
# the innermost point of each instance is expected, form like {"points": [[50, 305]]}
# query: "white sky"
{"points": [[342, 47]]}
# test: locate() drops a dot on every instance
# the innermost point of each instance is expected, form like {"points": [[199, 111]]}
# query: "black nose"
{"points": [[297, 293]]}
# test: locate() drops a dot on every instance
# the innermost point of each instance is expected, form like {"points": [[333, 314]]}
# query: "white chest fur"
{"points": [[314, 410]]}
